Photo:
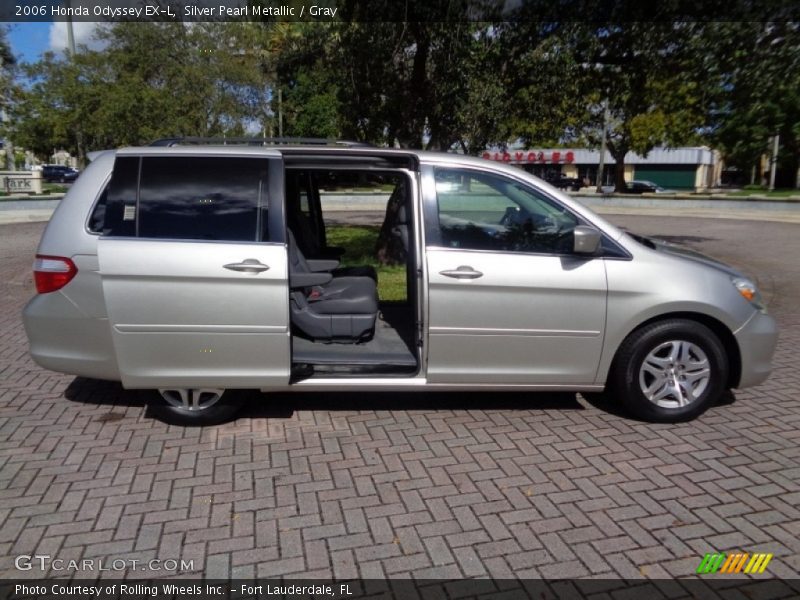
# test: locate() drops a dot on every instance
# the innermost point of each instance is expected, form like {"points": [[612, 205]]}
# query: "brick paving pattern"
{"points": [[467, 485]]}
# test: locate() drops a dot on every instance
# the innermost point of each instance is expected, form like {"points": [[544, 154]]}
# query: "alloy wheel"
{"points": [[674, 374], [194, 399]]}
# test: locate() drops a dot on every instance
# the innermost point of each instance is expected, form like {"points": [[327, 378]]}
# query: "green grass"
{"points": [[47, 189], [54, 188], [359, 240]]}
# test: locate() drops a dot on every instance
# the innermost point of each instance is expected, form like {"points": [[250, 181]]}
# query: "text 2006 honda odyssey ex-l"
{"points": [[195, 270]]}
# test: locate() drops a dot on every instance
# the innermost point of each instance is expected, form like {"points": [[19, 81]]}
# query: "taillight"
{"points": [[52, 273]]}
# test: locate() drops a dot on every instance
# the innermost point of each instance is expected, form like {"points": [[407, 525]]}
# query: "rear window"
{"points": [[187, 198]]}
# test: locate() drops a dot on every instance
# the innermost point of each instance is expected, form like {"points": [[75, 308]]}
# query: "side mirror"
{"points": [[587, 240]]}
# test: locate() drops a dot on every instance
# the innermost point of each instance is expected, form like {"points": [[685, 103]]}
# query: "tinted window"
{"points": [[481, 211], [202, 198], [119, 218], [98, 218]]}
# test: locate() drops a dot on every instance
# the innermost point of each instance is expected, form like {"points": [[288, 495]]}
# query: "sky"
{"points": [[29, 40]]}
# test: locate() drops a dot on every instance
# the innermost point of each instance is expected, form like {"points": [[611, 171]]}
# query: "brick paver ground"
{"points": [[400, 485]]}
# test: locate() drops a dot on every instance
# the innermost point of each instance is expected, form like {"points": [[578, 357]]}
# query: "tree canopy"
{"points": [[150, 80], [760, 93], [7, 65], [647, 76]]}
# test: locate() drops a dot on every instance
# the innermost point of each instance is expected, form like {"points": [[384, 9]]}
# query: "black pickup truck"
{"points": [[563, 182]]}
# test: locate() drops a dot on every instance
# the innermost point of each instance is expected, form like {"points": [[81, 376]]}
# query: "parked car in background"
{"points": [[59, 173], [563, 182], [642, 186], [197, 270]]}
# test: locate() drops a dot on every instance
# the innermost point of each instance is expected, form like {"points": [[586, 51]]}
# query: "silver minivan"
{"points": [[199, 270]]}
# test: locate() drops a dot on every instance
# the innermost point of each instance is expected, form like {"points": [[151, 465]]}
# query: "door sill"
{"points": [[304, 372]]}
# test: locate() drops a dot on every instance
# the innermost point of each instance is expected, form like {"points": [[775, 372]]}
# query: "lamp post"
{"points": [[71, 50], [70, 30]]}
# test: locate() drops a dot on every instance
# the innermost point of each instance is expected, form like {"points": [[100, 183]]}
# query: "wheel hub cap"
{"points": [[674, 374], [192, 399]]}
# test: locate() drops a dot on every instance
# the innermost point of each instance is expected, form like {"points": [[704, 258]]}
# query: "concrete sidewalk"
{"points": [[21, 210], [704, 213]]}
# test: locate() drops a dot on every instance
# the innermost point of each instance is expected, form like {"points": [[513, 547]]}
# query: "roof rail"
{"points": [[258, 141]]}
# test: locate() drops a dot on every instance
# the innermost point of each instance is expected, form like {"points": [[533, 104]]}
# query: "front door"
{"points": [[509, 302], [196, 292]]}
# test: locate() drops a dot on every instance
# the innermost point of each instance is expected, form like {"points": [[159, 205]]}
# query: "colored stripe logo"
{"points": [[741, 562]]}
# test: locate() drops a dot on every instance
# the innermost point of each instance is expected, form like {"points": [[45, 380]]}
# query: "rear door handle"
{"points": [[249, 265], [462, 272]]}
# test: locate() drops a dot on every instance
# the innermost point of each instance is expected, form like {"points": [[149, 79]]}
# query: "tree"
{"points": [[43, 115], [301, 70], [150, 80], [388, 92], [418, 78], [760, 95], [647, 74], [539, 91], [7, 63]]}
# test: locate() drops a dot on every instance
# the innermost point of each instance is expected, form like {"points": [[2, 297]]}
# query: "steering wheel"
{"points": [[510, 217]]}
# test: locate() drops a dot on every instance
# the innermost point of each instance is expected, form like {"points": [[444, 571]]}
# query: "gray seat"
{"points": [[356, 271], [345, 295], [311, 241], [324, 307], [401, 227]]}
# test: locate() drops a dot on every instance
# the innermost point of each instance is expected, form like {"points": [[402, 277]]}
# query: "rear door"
{"points": [[194, 270], [508, 301]]}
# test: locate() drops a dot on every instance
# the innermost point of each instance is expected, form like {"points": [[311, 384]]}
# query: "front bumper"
{"points": [[757, 339]]}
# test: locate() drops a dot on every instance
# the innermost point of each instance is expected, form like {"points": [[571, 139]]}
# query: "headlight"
{"points": [[749, 291]]}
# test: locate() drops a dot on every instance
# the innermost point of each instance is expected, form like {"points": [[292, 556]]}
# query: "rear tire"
{"points": [[670, 371], [195, 407]]}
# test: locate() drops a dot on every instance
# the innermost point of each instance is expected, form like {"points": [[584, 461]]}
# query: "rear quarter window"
{"points": [[115, 212], [98, 219]]}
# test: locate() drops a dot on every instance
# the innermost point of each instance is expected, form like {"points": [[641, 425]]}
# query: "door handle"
{"points": [[462, 272], [249, 265]]}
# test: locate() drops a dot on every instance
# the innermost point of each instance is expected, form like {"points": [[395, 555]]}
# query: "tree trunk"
{"points": [[618, 152], [619, 175], [418, 88], [793, 163]]}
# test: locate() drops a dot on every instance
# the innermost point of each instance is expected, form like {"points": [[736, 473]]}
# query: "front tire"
{"points": [[195, 407], [670, 371]]}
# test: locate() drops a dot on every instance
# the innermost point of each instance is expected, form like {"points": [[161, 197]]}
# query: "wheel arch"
{"points": [[724, 334]]}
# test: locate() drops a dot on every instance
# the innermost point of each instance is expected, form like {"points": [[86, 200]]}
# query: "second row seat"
{"points": [[324, 307]]}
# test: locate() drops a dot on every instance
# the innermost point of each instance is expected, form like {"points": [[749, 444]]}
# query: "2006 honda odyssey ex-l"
{"points": [[196, 270]]}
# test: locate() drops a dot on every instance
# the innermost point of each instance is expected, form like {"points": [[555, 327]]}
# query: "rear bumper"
{"points": [[757, 339], [64, 339]]}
